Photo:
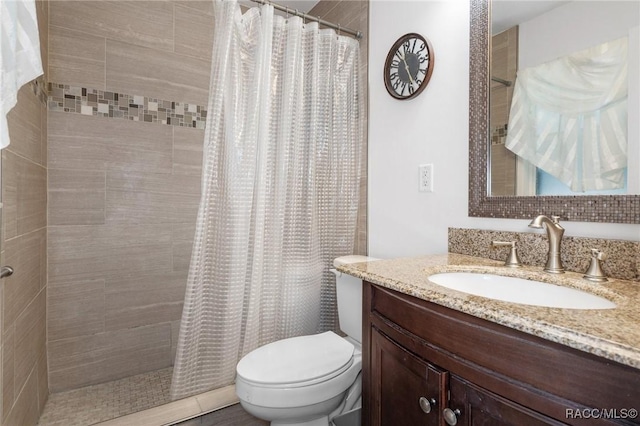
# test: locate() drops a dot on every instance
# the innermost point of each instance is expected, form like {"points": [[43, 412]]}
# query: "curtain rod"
{"points": [[501, 81], [294, 12]]}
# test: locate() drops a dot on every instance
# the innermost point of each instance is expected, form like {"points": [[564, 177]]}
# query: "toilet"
{"points": [[308, 380]]}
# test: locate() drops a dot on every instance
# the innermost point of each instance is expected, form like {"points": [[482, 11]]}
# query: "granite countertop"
{"points": [[609, 333]]}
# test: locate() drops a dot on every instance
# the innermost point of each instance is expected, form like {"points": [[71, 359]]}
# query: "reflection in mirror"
{"points": [[563, 81], [586, 208]]}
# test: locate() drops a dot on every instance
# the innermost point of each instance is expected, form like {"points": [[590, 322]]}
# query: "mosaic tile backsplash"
{"points": [[623, 257], [87, 101]]}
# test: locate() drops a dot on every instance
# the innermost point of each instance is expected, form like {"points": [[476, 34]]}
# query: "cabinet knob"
{"points": [[451, 416], [426, 404]]}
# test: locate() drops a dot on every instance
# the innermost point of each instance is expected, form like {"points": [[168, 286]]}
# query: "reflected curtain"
{"points": [[569, 117], [280, 189]]}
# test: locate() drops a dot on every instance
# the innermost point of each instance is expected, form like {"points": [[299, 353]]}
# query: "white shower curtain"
{"points": [[280, 189]]}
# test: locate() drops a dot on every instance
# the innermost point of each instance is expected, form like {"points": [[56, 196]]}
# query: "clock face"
{"points": [[409, 66]]}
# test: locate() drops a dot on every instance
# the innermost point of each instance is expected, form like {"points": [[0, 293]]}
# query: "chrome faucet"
{"points": [[554, 235]]}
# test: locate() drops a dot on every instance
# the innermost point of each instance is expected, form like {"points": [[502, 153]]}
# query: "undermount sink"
{"points": [[518, 290]]}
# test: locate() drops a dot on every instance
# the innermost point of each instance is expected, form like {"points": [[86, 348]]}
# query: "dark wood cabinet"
{"points": [[479, 407], [475, 372], [407, 390]]}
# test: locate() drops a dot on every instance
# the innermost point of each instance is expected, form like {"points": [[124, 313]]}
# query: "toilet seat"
{"points": [[297, 361], [263, 384]]}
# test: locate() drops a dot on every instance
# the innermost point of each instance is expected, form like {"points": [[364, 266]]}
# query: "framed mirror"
{"points": [[584, 208]]}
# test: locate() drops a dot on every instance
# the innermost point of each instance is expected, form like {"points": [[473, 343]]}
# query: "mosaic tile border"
{"points": [[87, 101], [580, 208], [499, 135], [623, 257]]}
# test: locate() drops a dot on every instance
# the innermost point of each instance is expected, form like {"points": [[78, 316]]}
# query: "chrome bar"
{"points": [[357, 34], [501, 81], [6, 271]]}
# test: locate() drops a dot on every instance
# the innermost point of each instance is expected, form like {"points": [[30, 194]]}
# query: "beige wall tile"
{"points": [[30, 339], [76, 308], [24, 126], [151, 289], [43, 381], [23, 240], [193, 32], [144, 23], [42, 10], [24, 254], [138, 207], [150, 299], [185, 184], [108, 251], [108, 356], [164, 75], [175, 334], [79, 142], [8, 382], [94, 143], [324, 7], [64, 354], [185, 208], [181, 255], [128, 318], [184, 231], [76, 58], [135, 181], [187, 151], [25, 410], [134, 197], [76, 197], [199, 5], [43, 135]]}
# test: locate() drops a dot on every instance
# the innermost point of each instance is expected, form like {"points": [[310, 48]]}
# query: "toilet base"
{"points": [[324, 421], [310, 415]]}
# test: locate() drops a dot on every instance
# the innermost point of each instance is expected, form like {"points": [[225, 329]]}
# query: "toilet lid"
{"points": [[295, 360]]}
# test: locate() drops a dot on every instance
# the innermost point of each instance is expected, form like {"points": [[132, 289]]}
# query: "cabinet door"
{"points": [[479, 407], [405, 387]]}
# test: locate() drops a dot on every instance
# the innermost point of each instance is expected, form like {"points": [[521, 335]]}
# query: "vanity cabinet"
{"points": [[424, 364], [406, 387]]}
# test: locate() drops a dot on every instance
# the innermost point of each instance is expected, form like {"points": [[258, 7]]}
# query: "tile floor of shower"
{"points": [[103, 402]]}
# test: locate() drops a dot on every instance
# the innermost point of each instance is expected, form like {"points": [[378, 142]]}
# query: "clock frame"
{"points": [[409, 66]]}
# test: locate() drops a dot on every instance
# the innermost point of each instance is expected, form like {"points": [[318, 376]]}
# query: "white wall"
{"points": [[432, 128]]}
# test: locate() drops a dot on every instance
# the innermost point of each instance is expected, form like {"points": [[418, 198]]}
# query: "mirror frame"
{"points": [[580, 208]]}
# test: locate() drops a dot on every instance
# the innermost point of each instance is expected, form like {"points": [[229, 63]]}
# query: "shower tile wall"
{"points": [[24, 388], [504, 64], [354, 14], [123, 194]]}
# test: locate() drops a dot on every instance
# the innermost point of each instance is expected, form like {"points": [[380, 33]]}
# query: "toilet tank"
{"points": [[349, 296]]}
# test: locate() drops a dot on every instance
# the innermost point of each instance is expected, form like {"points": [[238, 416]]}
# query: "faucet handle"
{"points": [[594, 273], [555, 219], [512, 261]]}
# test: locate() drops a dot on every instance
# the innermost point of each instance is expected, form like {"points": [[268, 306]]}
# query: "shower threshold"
{"points": [[141, 400]]}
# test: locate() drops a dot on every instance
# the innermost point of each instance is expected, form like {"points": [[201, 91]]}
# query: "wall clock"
{"points": [[409, 66]]}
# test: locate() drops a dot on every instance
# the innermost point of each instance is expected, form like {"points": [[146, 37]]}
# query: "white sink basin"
{"points": [[518, 290]]}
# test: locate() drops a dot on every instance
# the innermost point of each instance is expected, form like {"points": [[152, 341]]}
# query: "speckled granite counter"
{"points": [[611, 333]]}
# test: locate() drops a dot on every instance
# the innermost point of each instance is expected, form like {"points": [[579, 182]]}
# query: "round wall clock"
{"points": [[409, 66]]}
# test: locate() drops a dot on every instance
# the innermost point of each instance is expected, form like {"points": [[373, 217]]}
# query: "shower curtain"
{"points": [[280, 188]]}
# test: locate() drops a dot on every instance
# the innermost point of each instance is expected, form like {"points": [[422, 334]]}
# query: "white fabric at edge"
{"points": [[569, 117], [20, 60]]}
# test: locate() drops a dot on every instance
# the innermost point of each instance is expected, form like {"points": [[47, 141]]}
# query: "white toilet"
{"points": [[308, 380]]}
